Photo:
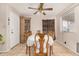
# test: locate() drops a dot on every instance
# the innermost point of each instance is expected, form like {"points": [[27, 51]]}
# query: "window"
{"points": [[68, 21], [65, 26]]}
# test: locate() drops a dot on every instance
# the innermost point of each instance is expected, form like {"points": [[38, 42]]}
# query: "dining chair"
{"points": [[40, 45]]}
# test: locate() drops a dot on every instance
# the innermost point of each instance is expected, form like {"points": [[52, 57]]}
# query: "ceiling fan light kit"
{"points": [[41, 9]]}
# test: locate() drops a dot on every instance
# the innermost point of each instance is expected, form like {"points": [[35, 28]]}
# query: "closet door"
{"points": [[13, 29]]}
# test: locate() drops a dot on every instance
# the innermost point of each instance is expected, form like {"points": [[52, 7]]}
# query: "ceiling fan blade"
{"points": [[32, 8], [48, 9], [35, 12], [44, 13]]}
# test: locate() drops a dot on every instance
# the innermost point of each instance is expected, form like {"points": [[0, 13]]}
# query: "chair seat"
{"points": [[30, 40], [38, 50], [50, 42], [38, 45], [44, 50]]}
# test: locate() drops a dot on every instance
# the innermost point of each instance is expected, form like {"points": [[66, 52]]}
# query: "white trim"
{"points": [[66, 47], [4, 51], [9, 48]]}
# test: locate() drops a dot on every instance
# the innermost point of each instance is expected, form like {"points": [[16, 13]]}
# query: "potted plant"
{"points": [[1, 39]]}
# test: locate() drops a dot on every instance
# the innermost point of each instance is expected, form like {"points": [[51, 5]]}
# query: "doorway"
{"points": [[24, 27]]}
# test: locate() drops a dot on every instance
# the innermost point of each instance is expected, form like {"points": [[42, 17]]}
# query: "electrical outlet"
{"points": [[65, 42]]}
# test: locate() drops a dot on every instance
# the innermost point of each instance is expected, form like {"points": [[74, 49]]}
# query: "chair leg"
{"points": [[26, 49], [29, 51], [50, 50]]}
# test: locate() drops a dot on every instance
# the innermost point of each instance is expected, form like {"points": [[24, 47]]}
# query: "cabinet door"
{"points": [[48, 25]]}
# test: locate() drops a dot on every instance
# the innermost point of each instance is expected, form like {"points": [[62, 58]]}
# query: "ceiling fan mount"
{"points": [[41, 9]]}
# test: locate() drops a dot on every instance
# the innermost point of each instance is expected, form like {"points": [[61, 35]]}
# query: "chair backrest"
{"points": [[41, 44]]}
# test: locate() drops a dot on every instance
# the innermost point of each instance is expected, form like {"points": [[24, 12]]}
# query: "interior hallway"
{"points": [[58, 50]]}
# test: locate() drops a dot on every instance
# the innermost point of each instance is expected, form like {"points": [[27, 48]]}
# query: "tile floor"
{"points": [[58, 49]]}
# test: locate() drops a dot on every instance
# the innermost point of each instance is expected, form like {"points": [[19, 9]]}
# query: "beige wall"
{"points": [[36, 21], [4, 14], [72, 38], [3, 24]]}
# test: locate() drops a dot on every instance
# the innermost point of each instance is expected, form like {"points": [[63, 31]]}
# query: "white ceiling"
{"points": [[22, 8]]}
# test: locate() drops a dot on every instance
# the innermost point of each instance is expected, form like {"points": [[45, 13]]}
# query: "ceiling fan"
{"points": [[41, 9]]}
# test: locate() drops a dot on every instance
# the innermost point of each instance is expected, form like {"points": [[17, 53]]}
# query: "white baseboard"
{"points": [[8, 49], [4, 51], [66, 47]]}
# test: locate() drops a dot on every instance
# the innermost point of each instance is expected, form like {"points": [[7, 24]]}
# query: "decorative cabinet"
{"points": [[24, 27], [48, 25]]}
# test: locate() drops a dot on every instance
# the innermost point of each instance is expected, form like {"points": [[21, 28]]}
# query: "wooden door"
{"points": [[24, 27]]}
